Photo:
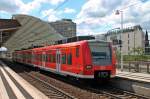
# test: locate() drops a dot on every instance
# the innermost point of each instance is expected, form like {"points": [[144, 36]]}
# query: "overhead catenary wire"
{"points": [[132, 4], [60, 5]]}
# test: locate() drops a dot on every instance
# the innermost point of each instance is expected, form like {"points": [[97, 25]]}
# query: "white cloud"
{"points": [[55, 2], [84, 31], [98, 8], [18, 6], [55, 15], [51, 14], [26, 8], [99, 13], [10, 6], [36, 4], [94, 14], [69, 10]]}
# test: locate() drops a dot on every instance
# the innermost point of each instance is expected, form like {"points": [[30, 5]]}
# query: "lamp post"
{"points": [[1, 40], [121, 54], [1, 36]]}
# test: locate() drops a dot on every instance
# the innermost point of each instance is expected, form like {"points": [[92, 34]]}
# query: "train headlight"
{"points": [[89, 67]]}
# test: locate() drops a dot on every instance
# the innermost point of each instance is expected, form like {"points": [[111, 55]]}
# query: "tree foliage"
{"points": [[136, 54], [137, 51]]}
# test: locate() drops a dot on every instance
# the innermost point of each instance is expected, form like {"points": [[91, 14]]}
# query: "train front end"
{"points": [[102, 59]]}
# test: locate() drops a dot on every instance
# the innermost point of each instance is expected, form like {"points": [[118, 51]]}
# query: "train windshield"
{"points": [[101, 53]]}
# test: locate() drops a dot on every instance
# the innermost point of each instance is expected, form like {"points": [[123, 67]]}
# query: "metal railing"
{"points": [[136, 66]]}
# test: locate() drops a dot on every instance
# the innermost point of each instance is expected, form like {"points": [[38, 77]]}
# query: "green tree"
{"points": [[138, 54], [138, 51]]}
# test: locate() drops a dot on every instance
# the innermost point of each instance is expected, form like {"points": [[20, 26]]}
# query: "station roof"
{"points": [[7, 28]]}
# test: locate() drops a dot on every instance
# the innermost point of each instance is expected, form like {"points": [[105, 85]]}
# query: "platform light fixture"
{"points": [[120, 12]]}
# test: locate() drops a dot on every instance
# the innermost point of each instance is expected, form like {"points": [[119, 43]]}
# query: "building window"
{"points": [[128, 48], [128, 35], [128, 42]]}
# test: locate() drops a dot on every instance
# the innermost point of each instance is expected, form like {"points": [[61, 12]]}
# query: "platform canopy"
{"points": [[32, 32], [7, 28]]}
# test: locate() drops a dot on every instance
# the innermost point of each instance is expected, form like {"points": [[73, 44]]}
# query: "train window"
{"points": [[51, 57], [43, 57], [69, 59], [29, 56], [64, 59], [37, 58], [47, 58], [54, 58], [101, 53], [40, 57], [26, 56], [77, 52]]}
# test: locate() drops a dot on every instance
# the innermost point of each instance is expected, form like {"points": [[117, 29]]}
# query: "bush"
{"points": [[136, 58]]}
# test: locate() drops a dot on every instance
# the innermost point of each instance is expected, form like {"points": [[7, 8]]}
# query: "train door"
{"points": [[58, 60], [32, 58], [43, 59]]}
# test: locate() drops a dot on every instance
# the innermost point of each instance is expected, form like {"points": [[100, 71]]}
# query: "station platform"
{"points": [[143, 77], [12, 86]]}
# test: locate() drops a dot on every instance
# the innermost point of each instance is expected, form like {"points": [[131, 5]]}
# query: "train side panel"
{"points": [[74, 59]]}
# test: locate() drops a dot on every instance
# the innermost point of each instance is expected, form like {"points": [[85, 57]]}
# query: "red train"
{"points": [[90, 59]]}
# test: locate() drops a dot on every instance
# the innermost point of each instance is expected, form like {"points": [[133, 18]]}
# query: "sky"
{"points": [[91, 16]]}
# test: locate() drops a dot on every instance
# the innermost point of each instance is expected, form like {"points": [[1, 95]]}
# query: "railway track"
{"points": [[107, 92], [117, 93], [72, 88], [51, 91]]}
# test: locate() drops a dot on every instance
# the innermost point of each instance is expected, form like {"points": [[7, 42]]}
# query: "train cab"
{"points": [[99, 59]]}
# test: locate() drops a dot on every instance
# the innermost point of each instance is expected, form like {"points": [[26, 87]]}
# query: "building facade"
{"points": [[66, 27], [131, 37], [147, 47]]}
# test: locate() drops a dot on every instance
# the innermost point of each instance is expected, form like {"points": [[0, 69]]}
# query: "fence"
{"points": [[136, 66]]}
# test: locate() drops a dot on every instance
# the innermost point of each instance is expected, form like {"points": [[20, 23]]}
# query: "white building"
{"points": [[132, 37], [66, 27]]}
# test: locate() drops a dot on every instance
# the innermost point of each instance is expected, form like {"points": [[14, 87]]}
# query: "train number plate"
{"points": [[102, 74]]}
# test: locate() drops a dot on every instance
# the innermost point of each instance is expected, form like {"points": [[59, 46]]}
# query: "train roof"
{"points": [[100, 41], [71, 44], [74, 39], [61, 45]]}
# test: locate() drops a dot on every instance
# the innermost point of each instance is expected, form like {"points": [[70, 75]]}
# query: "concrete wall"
{"points": [[138, 87]]}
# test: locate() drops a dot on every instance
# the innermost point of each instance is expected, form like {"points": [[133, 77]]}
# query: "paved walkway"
{"points": [[135, 76], [12, 86]]}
